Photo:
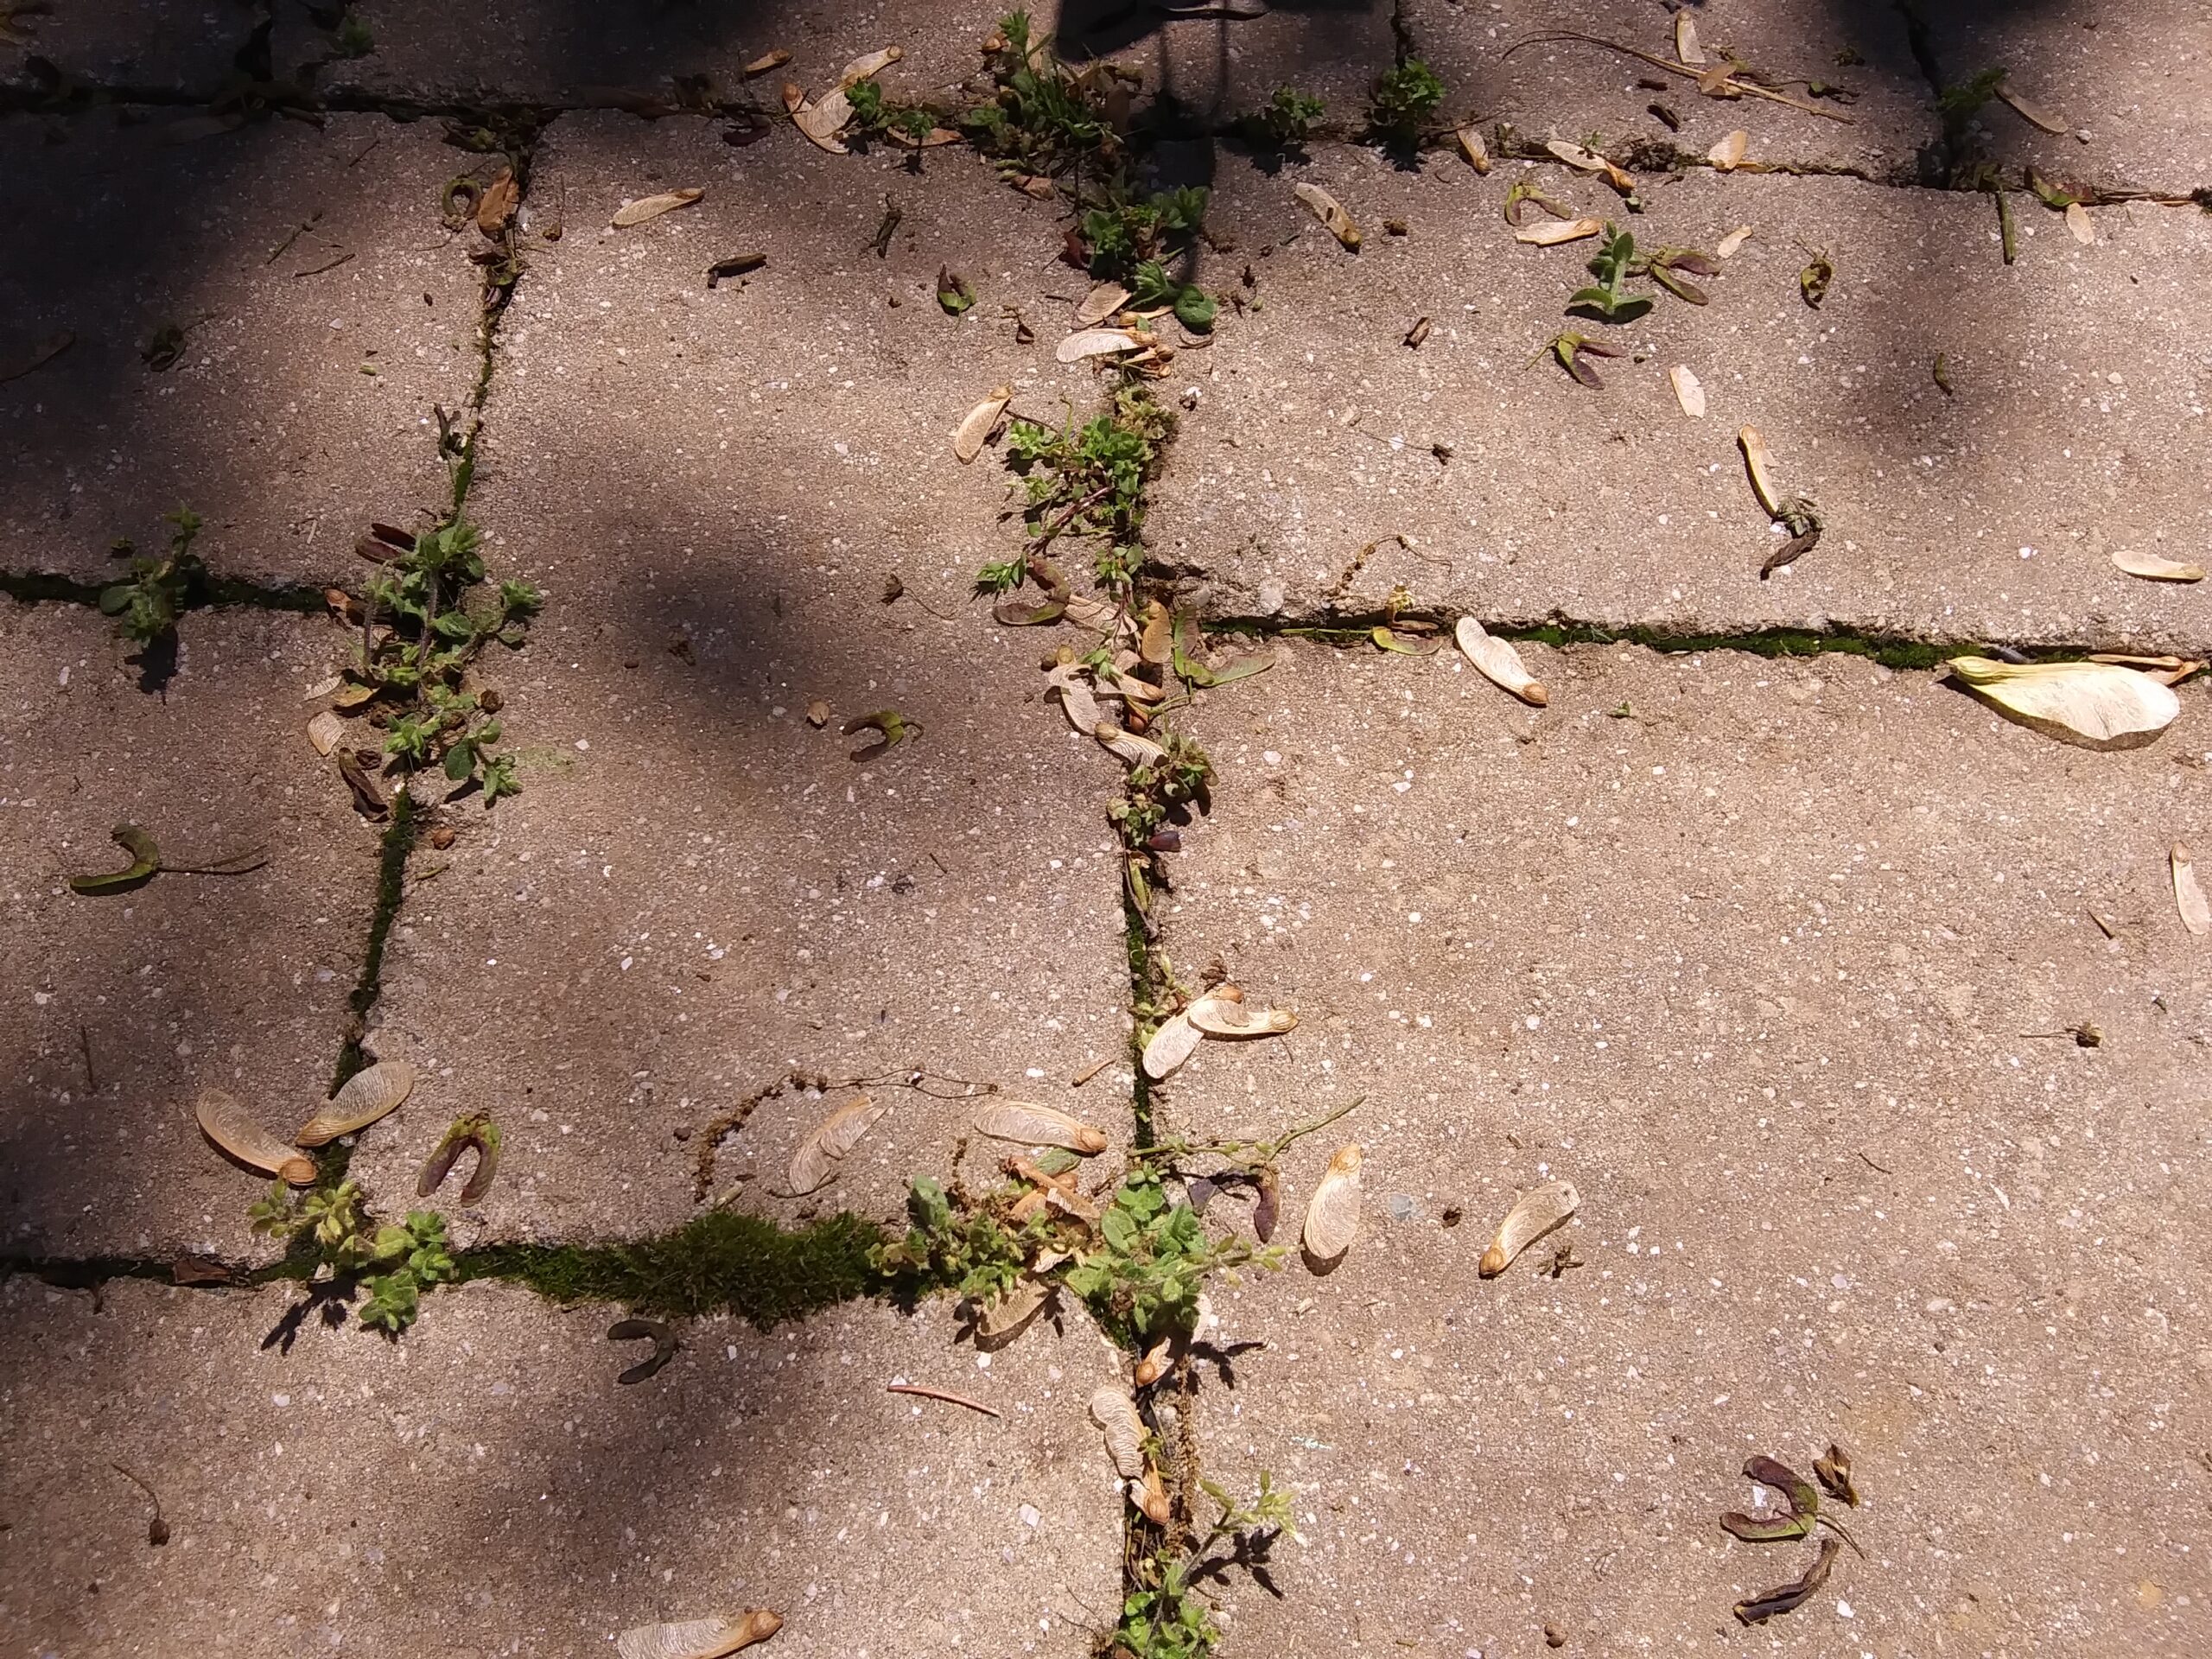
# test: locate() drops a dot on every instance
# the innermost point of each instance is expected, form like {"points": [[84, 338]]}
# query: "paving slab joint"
{"points": [[218, 593]]}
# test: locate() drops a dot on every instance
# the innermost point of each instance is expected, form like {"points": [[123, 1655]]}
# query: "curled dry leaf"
{"points": [[1686, 42], [326, 732], [1788, 1598], [1127, 747], [1417, 334], [1500, 663], [2078, 225], [1101, 302], [1733, 241], [1116, 1413], [1537, 1214], [2028, 110], [2092, 705], [662, 1336], [1551, 232], [823, 119], [1728, 155], [1689, 392], [766, 62], [816, 1160], [1220, 1016], [2189, 897], [1267, 1209], [645, 207], [2152, 567], [498, 203], [371, 1093], [225, 1122], [1004, 1318], [1472, 147], [1329, 212], [145, 864], [975, 428], [1038, 1126], [1833, 1469], [1101, 342], [1333, 1213], [698, 1638], [1175, 1041], [1760, 465]]}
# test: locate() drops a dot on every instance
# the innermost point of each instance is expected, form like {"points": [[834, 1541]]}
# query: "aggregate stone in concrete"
{"points": [[1572, 88], [2073, 425], [299, 405], [174, 47], [2131, 86], [577, 52], [237, 982], [1765, 958], [485, 1486], [699, 891]]}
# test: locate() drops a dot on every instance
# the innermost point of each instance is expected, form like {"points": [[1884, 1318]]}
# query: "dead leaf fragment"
{"points": [[1786, 1599], [2091, 705], [1833, 1469], [823, 120], [1733, 241], [1551, 232], [975, 428], [1472, 147], [1760, 465], [1500, 663], [230, 1126], [2028, 110], [369, 1094], [1333, 1213], [1038, 1126], [1686, 48], [1101, 302], [1589, 161], [818, 1156], [2077, 224], [698, 1638], [2189, 897], [738, 264], [1329, 212], [817, 714], [637, 211], [662, 1336], [1689, 392], [2152, 568], [1005, 1317], [1116, 1413], [498, 203], [1537, 1213], [1728, 155], [326, 732], [766, 62]]}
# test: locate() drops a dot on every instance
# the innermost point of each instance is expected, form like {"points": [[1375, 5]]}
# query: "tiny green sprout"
{"points": [[1611, 265], [1284, 123], [1403, 99], [157, 590], [353, 38]]}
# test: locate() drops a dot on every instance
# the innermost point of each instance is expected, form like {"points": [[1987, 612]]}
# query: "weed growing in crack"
{"points": [[1085, 482], [1284, 124], [394, 1264], [1151, 795], [1162, 1617], [149, 600], [1404, 100], [1047, 120], [352, 37], [1152, 1255]]}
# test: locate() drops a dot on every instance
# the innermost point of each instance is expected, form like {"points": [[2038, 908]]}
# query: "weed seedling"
{"points": [[1607, 298], [395, 1265], [1086, 481], [353, 38], [1285, 123], [1164, 1618], [149, 599], [1404, 99]]}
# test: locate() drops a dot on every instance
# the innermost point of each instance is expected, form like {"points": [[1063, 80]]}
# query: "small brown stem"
{"points": [[940, 1394]]}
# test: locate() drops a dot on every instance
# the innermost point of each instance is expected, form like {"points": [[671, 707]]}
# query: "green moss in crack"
{"points": [[399, 842], [720, 1262]]}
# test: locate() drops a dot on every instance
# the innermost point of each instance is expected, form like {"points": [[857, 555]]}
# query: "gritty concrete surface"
{"points": [[700, 892], [301, 405], [175, 48], [485, 1487], [236, 982], [1211, 70], [1752, 951], [1571, 89], [579, 53], [2130, 85], [2075, 417]]}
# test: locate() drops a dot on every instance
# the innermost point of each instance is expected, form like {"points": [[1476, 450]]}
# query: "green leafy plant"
{"points": [[442, 614], [1163, 1618], [972, 1252], [1088, 482], [1150, 793], [1150, 285], [1613, 264], [1121, 230], [1285, 122], [394, 1264], [353, 38], [149, 600], [1403, 101], [1152, 1258], [1046, 118]]}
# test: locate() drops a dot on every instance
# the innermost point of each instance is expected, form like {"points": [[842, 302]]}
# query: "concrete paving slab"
{"points": [[1571, 89], [2130, 85], [485, 1487], [699, 891], [236, 982], [175, 48], [2073, 421], [299, 403], [576, 54], [1759, 954]]}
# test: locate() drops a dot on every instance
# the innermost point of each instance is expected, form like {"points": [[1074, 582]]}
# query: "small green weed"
{"points": [[156, 590], [1150, 793], [1286, 122], [1120, 232], [1151, 285], [1142, 1281], [972, 1252], [1403, 101], [1611, 265], [1047, 120], [1163, 1618], [393, 1264], [353, 39], [1089, 482]]}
